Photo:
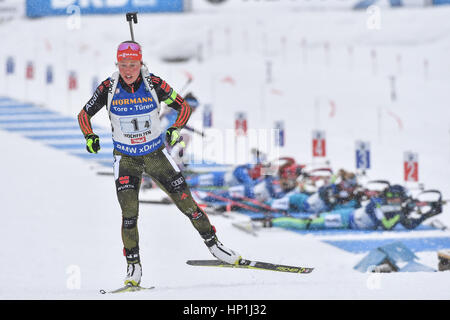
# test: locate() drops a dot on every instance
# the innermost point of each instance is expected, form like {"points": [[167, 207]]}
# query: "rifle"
{"points": [[131, 16], [230, 201], [435, 206], [259, 204], [261, 207]]}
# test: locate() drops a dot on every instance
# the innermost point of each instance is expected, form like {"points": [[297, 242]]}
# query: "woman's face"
{"points": [[129, 70]]}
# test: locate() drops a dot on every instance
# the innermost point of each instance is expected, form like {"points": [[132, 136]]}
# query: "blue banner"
{"points": [[362, 155], [10, 65], [364, 4], [49, 75], [207, 116], [40, 8], [363, 159], [279, 133], [440, 2]]}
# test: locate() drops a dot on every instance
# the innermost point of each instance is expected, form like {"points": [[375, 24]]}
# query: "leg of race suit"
{"points": [[290, 223], [163, 169], [128, 174], [166, 173], [338, 219]]}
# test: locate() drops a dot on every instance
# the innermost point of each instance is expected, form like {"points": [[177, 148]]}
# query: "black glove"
{"points": [[92, 143]]}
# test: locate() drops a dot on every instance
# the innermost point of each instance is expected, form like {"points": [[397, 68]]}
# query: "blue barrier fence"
{"points": [[53, 129], [364, 4], [40, 8]]}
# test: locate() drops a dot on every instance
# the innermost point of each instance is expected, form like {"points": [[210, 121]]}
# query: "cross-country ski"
{"points": [[127, 288], [250, 264]]}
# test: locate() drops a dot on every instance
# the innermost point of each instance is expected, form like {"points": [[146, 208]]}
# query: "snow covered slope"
{"points": [[61, 226]]}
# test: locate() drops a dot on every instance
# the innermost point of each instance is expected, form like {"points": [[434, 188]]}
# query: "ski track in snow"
{"points": [[61, 226]]}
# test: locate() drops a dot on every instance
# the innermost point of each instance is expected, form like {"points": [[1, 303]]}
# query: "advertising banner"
{"points": [[40, 8]]}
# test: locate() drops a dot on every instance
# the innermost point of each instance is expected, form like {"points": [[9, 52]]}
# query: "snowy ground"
{"points": [[61, 226]]}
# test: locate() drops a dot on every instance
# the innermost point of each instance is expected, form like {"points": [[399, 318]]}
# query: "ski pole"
{"points": [[188, 82], [194, 130]]}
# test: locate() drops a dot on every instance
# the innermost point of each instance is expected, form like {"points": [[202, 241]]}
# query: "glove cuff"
{"points": [[90, 135]]}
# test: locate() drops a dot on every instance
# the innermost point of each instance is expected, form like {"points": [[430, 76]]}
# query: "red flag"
{"points": [[29, 74], [72, 81], [240, 124], [411, 167], [319, 144]]}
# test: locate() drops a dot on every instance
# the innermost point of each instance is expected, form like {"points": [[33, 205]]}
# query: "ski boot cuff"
{"points": [[210, 237], [132, 255]]}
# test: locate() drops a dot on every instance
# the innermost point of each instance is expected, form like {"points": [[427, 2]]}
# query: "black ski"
{"points": [[127, 288], [250, 264]]}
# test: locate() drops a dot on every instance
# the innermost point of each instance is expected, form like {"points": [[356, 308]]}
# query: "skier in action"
{"points": [[133, 98]]}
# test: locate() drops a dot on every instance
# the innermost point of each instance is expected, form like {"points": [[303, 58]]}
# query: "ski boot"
{"points": [[218, 250], [134, 274]]}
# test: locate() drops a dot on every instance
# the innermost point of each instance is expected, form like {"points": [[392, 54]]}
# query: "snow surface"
{"points": [[61, 221]]}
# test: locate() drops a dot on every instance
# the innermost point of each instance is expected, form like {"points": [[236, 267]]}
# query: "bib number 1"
{"points": [[135, 124]]}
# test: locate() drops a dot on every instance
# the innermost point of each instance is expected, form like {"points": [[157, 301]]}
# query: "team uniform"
{"points": [[139, 147]]}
